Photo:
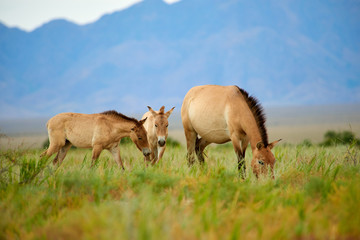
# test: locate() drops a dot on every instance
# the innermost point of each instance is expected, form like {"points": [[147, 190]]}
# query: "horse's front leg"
{"points": [[150, 158], [161, 151], [154, 155], [115, 151], [95, 154], [147, 159], [240, 148]]}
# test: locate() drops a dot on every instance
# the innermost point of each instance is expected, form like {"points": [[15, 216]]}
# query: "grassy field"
{"points": [[315, 195]]}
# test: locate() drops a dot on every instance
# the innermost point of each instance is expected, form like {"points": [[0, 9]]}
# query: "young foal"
{"points": [[219, 114], [97, 131], [157, 131]]}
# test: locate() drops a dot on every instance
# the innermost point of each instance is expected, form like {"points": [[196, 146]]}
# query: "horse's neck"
{"points": [[253, 141], [254, 136], [251, 130], [124, 127]]}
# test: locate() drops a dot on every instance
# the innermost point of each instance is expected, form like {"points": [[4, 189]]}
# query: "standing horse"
{"points": [[157, 131], [97, 131], [219, 114]]}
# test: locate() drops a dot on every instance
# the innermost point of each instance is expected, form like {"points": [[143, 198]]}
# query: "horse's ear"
{"points": [[162, 109], [260, 145], [152, 111], [271, 145], [142, 121], [169, 112]]}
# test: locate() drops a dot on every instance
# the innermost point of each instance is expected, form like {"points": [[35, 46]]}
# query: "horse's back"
{"points": [[206, 110], [214, 95], [78, 128], [62, 120], [149, 120]]}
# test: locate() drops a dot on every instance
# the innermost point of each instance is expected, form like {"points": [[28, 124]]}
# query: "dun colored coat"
{"points": [[218, 114], [157, 131], [97, 131]]}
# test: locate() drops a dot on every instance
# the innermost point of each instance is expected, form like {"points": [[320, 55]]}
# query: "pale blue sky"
{"points": [[30, 14]]}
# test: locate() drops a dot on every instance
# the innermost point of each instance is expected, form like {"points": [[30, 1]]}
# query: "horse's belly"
{"points": [[209, 122], [79, 137], [214, 130], [218, 136], [80, 140]]}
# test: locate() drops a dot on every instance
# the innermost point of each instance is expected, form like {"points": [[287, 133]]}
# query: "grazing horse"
{"points": [[157, 131], [97, 131], [219, 114]]}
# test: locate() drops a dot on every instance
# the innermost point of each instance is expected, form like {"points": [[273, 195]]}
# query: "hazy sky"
{"points": [[30, 14]]}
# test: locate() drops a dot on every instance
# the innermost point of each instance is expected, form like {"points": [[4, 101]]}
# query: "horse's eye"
{"points": [[261, 162], [155, 125], [167, 125], [139, 138]]}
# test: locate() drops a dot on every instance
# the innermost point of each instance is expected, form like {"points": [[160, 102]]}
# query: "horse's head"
{"points": [[263, 159], [161, 124], [139, 137]]}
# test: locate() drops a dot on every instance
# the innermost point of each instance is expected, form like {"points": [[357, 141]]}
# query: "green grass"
{"points": [[315, 195]]}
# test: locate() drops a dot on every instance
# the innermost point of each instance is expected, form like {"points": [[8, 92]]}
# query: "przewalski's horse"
{"points": [[97, 131], [219, 114], [157, 131]]}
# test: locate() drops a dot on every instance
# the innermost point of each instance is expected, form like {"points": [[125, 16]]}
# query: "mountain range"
{"points": [[283, 52]]}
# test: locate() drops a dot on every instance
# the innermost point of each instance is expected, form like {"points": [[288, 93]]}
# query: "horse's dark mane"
{"points": [[116, 114], [258, 113]]}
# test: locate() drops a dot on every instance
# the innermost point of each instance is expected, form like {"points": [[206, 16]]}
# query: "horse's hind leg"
{"points": [[199, 149], [57, 140], [51, 150], [62, 152], [191, 137]]}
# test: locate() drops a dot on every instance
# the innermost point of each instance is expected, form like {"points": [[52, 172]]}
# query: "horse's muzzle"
{"points": [[146, 151], [161, 141]]}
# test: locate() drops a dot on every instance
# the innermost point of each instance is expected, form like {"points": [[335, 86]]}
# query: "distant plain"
{"points": [[292, 124]]}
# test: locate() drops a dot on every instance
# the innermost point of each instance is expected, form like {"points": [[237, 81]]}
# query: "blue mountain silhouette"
{"points": [[284, 53]]}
